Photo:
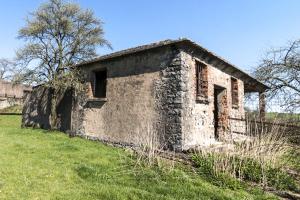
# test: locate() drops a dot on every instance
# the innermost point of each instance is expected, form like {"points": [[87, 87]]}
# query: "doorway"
{"points": [[220, 112]]}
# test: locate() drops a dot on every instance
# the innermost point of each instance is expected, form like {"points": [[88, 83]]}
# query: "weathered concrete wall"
{"points": [[139, 103], [198, 118], [37, 109]]}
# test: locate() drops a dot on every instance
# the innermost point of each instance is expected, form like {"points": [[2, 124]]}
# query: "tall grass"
{"points": [[256, 159], [149, 149]]}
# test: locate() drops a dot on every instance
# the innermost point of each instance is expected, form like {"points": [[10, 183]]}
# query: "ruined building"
{"points": [[174, 90], [12, 94]]}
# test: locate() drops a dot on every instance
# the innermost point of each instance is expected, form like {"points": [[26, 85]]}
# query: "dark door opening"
{"points": [[220, 114]]}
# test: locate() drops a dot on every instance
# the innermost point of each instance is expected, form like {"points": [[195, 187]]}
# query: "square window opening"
{"points": [[234, 92], [201, 80], [99, 84]]}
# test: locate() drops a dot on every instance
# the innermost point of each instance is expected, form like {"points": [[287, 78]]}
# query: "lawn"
{"points": [[36, 164]]}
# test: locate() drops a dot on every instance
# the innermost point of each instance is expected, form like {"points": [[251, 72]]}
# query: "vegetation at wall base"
{"points": [[249, 171], [38, 164]]}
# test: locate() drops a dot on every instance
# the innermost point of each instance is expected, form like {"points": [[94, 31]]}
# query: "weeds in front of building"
{"points": [[259, 160], [150, 149]]}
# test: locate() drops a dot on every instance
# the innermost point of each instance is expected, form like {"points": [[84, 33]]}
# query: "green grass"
{"points": [[251, 171], [286, 116], [278, 117], [293, 159], [36, 164]]}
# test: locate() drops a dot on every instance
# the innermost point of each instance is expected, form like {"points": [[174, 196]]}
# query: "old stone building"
{"points": [[174, 92], [12, 94]]}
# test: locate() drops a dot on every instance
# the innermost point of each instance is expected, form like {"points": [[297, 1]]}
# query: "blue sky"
{"points": [[238, 30]]}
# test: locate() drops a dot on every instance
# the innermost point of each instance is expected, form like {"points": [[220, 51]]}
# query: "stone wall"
{"points": [[37, 109], [8, 89], [154, 94], [170, 93], [141, 104], [12, 94], [10, 101], [150, 100], [197, 117]]}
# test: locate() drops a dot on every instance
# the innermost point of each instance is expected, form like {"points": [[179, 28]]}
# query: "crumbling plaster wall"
{"points": [[153, 94], [198, 118], [141, 105], [151, 97], [128, 111]]}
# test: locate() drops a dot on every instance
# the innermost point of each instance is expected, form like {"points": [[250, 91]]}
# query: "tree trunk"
{"points": [[53, 114]]}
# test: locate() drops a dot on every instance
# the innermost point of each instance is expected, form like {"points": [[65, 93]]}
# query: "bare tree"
{"points": [[58, 35], [6, 69], [10, 71], [280, 69]]}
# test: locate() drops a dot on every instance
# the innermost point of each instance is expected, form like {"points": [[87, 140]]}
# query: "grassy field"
{"points": [[36, 164], [284, 117]]}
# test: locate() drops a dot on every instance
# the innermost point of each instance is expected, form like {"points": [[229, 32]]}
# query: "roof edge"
{"points": [[167, 42]]}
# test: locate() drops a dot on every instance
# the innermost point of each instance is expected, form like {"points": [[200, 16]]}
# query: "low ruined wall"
{"points": [[12, 94], [8, 89], [8, 101], [37, 109]]}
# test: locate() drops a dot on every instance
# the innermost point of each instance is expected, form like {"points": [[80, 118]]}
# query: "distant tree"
{"points": [[280, 69], [58, 35], [10, 71], [6, 67]]}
